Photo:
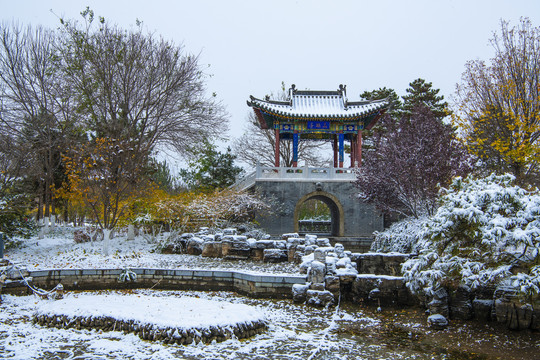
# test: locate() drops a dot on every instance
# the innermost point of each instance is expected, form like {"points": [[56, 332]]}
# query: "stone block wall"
{"points": [[271, 286]]}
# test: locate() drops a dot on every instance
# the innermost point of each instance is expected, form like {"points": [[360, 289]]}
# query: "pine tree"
{"points": [[421, 92], [385, 93]]}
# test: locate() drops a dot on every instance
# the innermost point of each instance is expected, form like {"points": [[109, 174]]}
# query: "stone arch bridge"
{"points": [[352, 221]]}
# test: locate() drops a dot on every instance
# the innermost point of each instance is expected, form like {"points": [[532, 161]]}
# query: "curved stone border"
{"points": [[254, 285], [167, 335]]}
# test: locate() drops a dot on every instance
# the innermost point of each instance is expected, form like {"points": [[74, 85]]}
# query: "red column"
{"points": [[353, 150], [359, 148], [335, 148], [276, 159]]}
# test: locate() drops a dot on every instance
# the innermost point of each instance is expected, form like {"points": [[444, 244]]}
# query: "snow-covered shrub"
{"points": [[485, 232], [400, 237]]}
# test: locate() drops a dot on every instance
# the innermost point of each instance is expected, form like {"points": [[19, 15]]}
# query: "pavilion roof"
{"points": [[324, 105]]}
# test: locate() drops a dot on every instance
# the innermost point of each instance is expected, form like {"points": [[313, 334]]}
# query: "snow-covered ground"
{"points": [[59, 251], [294, 331]]}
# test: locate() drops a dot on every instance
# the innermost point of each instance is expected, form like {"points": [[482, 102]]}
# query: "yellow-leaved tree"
{"points": [[499, 104], [106, 175]]}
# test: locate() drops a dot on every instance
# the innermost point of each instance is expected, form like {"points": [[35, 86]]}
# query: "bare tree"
{"points": [[33, 103], [134, 86], [412, 160]]}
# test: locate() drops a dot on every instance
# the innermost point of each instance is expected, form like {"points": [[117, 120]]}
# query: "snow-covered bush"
{"points": [[485, 232], [401, 236]]}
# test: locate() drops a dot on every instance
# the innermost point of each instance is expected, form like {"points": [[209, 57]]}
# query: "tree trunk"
{"points": [[106, 241]]}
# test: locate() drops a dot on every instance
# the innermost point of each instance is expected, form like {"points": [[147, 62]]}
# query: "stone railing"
{"points": [[304, 173], [255, 285]]}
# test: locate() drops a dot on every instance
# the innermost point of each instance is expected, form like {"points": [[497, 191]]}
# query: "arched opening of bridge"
{"points": [[319, 213]]}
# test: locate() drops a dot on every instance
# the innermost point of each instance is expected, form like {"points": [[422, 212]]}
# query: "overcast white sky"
{"points": [[252, 46]]}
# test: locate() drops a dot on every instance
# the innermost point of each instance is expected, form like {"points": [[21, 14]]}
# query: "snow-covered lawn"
{"points": [[58, 250], [294, 331], [163, 312]]}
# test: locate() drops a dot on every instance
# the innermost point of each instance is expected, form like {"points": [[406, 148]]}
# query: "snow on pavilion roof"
{"points": [[309, 104]]}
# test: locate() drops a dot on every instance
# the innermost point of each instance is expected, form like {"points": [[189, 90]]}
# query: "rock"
{"points": [[374, 294], [508, 309], [332, 284], [235, 247], [319, 255], [310, 239], [194, 246], [299, 292], [392, 290], [294, 242], [323, 242], [438, 307], [460, 303], [211, 249], [317, 272], [310, 249], [482, 309], [275, 255], [264, 244], [289, 235], [339, 249], [291, 252], [280, 244], [318, 287], [252, 243], [319, 298], [229, 231], [257, 254], [437, 322]]}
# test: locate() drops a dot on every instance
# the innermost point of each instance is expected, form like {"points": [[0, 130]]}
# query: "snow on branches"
{"points": [[485, 232]]}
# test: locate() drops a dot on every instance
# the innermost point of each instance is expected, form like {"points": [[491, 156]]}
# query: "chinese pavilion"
{"points": [[319, 115]]}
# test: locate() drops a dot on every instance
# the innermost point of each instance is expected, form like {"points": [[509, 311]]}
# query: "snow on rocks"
{"points": [[437, 322], [183, 320]]}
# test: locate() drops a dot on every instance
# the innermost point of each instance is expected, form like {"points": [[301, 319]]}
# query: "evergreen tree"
{"points": [[385, 93], [421, 92], [211, 169]]}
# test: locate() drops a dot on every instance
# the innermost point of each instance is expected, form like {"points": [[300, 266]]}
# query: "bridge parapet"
{"points": [[304, 173]]}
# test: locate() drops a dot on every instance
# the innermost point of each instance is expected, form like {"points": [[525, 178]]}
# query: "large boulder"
{"points": [[460, 304], [437, 322], [482, 309], [211, 249], [235, 247], [390, 289], [194, 246], [299, 292], [319, 298], [509, 309], [317, 272], [439, 303], [275, 255]]}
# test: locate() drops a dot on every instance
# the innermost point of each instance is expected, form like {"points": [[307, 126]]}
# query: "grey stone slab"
{"points": [[184, 273], [66, 272], [295, 279], [39, 273], [223, 274], [88, 272], [202, 273]]}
